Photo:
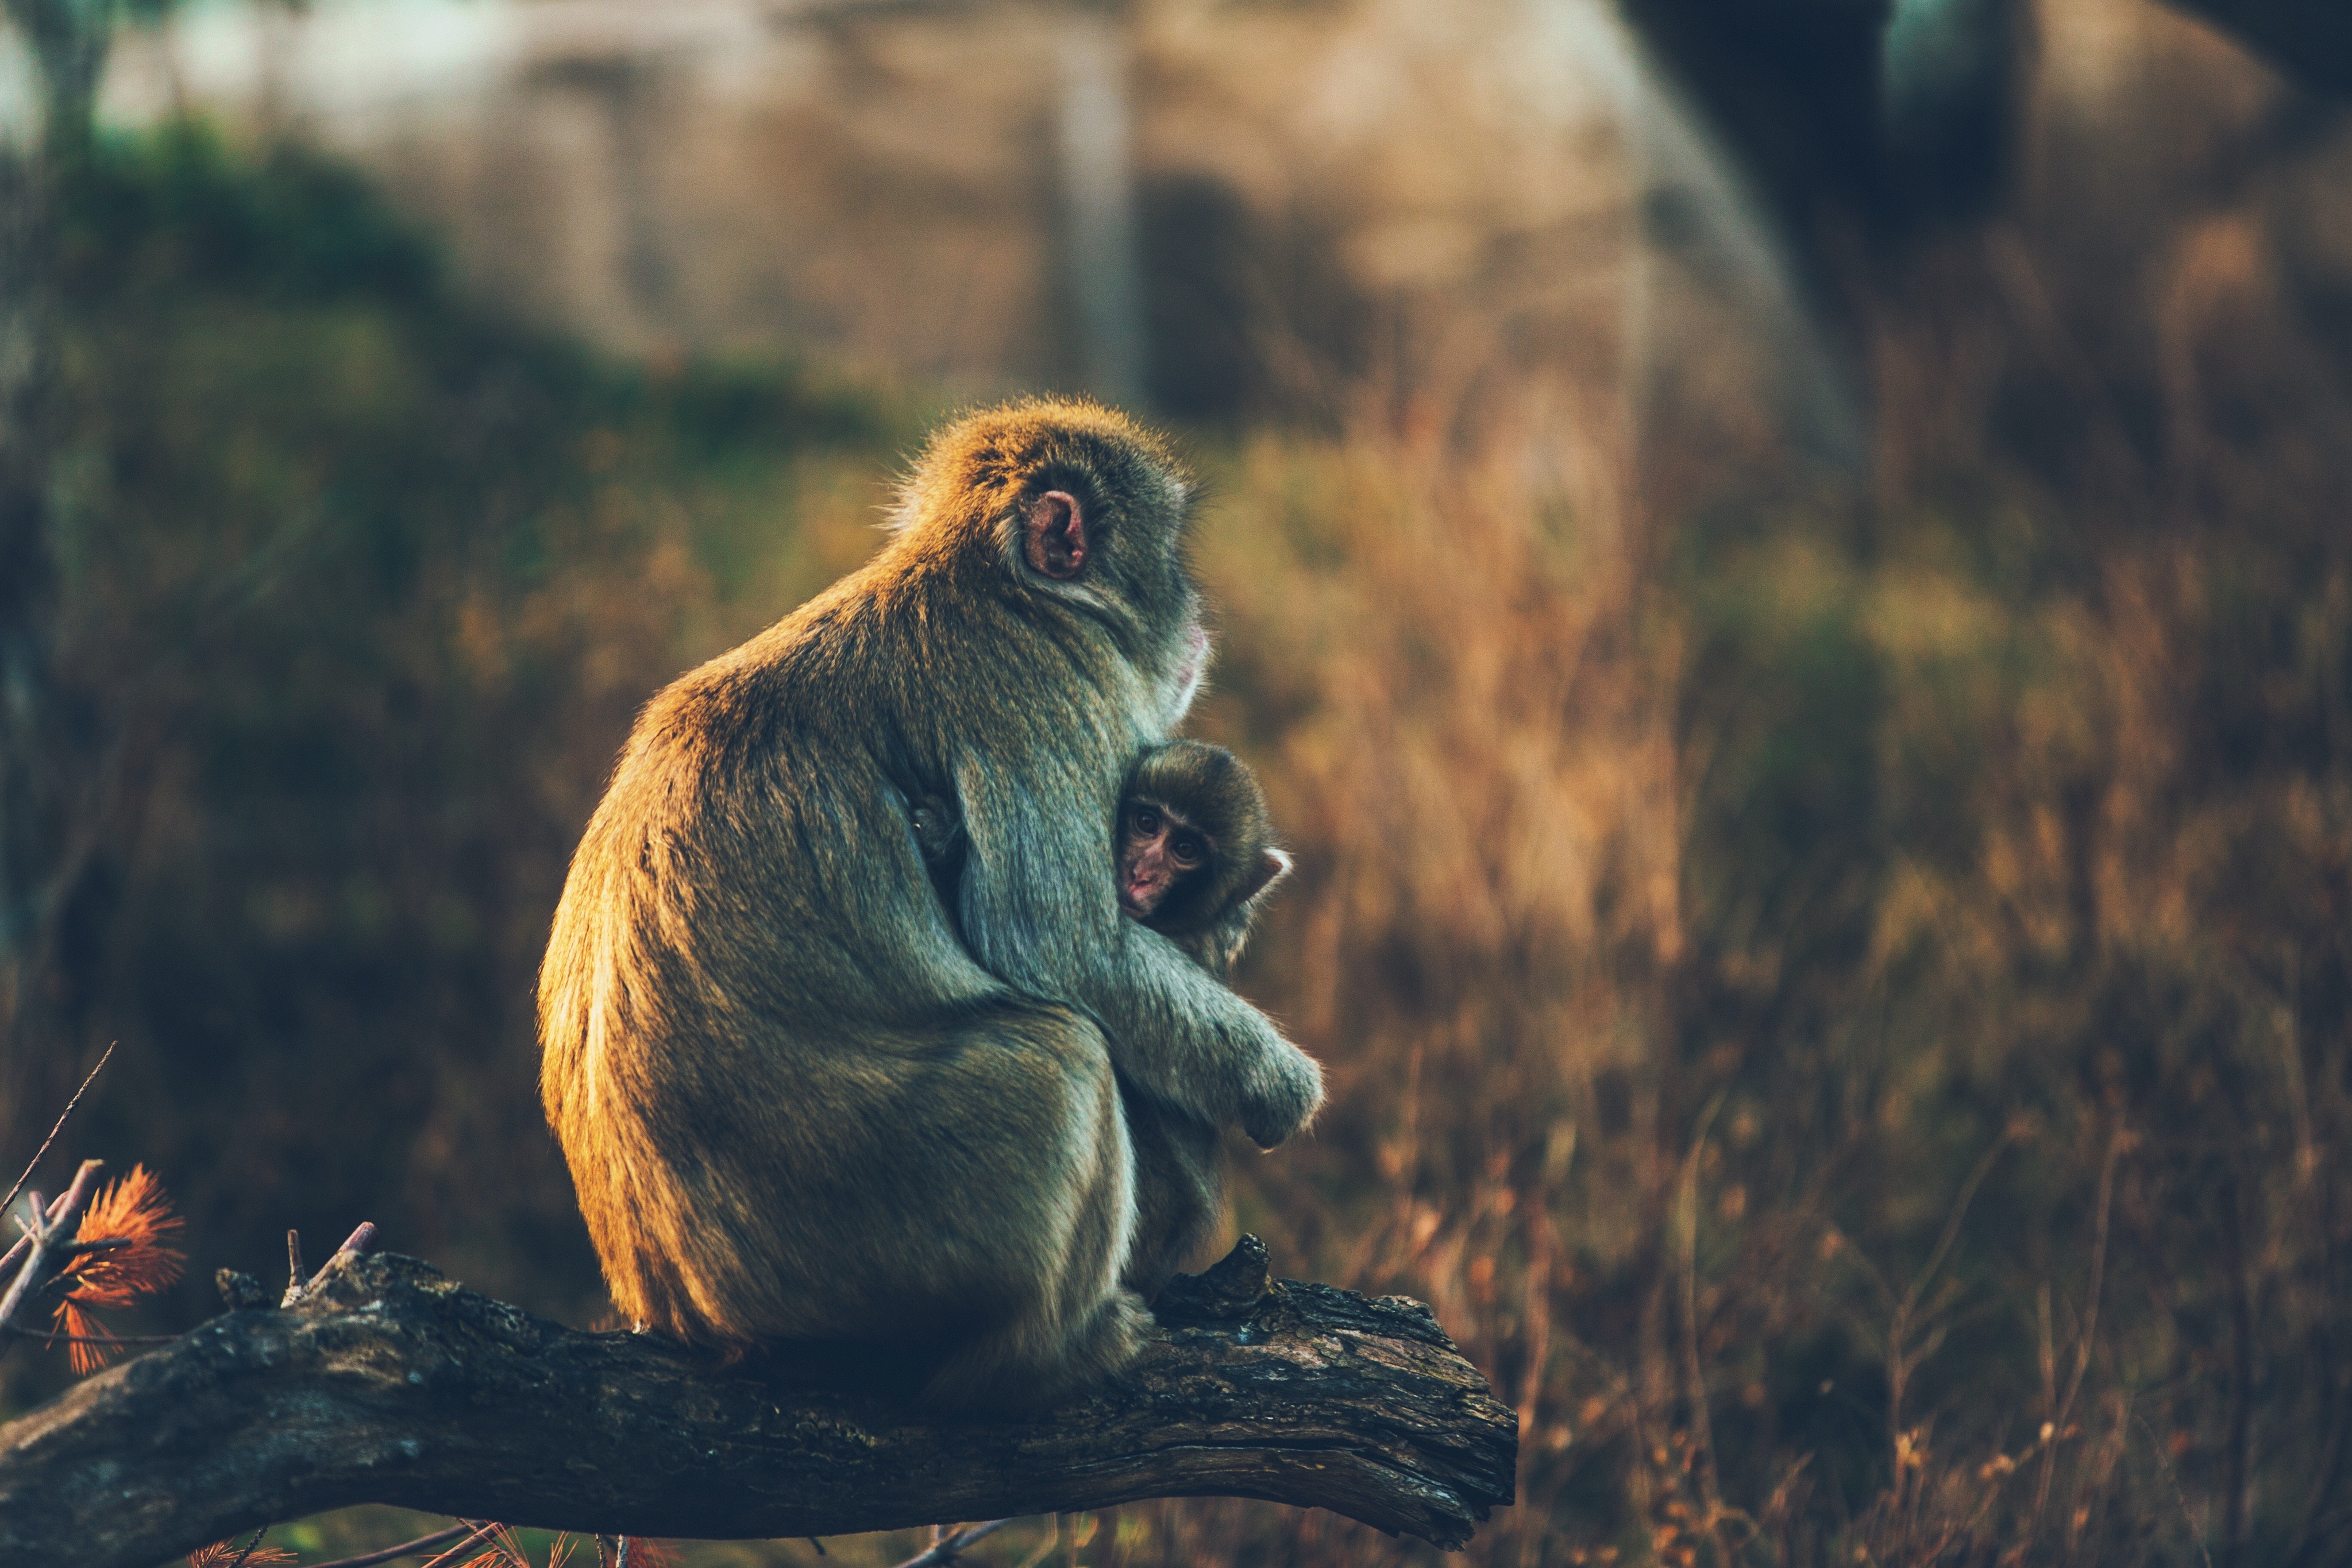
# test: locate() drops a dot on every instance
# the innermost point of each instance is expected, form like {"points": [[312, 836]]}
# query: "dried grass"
{"points": [[1838, 994]]}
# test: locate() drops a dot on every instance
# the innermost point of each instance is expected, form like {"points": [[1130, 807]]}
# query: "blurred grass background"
{"points": [[1837, 991]]}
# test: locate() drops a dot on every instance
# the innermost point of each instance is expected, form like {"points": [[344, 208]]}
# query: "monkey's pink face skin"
{"points": [[1186, 684], [1196, 653], [1156, 849]]}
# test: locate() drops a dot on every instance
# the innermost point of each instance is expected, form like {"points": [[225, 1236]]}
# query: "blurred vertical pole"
{"points": [[1097, 169], [42, 791], [29, 591], [1948, 87], [1704, 223], [69, 39]]}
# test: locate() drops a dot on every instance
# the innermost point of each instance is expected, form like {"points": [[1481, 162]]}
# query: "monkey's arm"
{"points": [[1039, 913], [1181, 1032]]}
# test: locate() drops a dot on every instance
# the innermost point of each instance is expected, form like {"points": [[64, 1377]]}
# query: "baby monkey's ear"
{"points": [[1053, 535], [1272, 867]]}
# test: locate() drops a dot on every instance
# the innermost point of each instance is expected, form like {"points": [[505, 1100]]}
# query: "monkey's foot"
{"points": [[1225, 1291]]}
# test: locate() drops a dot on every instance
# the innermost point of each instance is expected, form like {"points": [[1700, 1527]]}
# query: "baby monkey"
{"points": [[1196, 850], [1195, 857]]}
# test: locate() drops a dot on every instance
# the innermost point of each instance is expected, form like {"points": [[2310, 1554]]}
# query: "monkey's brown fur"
{"points": [[1208, 913], [794, 1104]]}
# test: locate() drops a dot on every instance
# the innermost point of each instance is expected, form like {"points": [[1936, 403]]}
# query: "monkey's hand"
{"points": [[1190, 1041], [1283, 1096]]}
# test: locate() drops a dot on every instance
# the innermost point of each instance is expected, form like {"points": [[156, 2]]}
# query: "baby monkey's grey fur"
{"points": [[801, 1101], [1207, 911]]}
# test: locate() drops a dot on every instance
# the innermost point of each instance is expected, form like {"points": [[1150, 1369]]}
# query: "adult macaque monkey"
{"points": [[798, 1103], [1196, 856]]}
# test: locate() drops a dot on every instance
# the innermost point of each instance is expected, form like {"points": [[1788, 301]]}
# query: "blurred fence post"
{"points": [[42, 791], [1095, 134], [29, 588]]}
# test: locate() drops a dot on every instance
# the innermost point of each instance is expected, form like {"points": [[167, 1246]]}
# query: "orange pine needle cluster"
{"points": [[134, 1208], [502, 1550], [505, 1550], [221, 1553]]}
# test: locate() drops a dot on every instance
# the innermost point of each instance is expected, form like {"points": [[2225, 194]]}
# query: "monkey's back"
{"points": [[753, 1002]]}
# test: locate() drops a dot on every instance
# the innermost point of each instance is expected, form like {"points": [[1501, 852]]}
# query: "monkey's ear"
{"points": [[1272, 867], [1054, 534]]}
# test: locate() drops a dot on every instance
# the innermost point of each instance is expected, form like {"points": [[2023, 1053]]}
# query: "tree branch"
{"points": [[389, 1383]]}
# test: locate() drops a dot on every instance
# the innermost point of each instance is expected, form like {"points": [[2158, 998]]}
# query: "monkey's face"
{"points": [[1124, 562], [1158, 852]]}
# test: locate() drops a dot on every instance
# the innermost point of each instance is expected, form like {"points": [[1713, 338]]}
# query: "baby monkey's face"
{"points": [[1159, 851]]}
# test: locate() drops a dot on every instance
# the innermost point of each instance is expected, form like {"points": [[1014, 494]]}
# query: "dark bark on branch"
{"points": [[392, 1384]]}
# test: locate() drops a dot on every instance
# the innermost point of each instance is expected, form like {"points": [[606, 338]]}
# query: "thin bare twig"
{"points": [[1693, 1369], [2179, 1494], [2087, 1342], [251, 1547], [2084, 1344], [1952, 1225], [2060, 1406], [47, 1237], [299, 1286], [948, 1549], [295, 1278], [24, 1242], [47, 1338], [1900, 1364], [480, 1531], [422, 1543], [39, 1153]]}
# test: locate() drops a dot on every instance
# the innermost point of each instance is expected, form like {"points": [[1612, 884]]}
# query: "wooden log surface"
{"points": [[390, 1384]]}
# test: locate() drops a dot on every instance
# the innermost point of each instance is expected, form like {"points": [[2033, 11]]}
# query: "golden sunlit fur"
{"points": [[802, 1098]]}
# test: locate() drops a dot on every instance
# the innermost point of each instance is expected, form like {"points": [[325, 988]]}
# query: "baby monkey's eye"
{"points": [[1144, 820], [1186, 849]]}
